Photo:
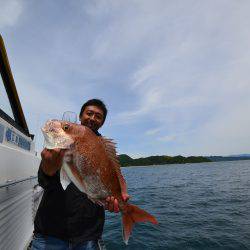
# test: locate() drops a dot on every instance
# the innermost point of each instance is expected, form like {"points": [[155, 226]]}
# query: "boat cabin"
{"points": [[19, 190]]}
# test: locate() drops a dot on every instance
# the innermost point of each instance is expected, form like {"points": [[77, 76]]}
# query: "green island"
{"points": [[126, 160]]}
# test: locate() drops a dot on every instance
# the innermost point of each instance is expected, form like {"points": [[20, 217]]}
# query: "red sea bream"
{"points": [[94, 168]]}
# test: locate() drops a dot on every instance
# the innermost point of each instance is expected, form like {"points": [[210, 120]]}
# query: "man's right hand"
{"points": [[51, 160]]}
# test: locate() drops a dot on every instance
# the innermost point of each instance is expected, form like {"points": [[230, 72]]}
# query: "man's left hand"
{"points": [[112, 204]]}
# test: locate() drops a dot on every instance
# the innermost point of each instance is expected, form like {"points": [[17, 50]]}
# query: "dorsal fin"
{"points": [[111, 151]]}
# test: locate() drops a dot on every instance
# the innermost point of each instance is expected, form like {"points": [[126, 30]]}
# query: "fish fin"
{"points": [[64, 178], [133, 214], [111, 150], [74, 177]]}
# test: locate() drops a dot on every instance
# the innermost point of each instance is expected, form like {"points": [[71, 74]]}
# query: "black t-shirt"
{"points": [[67, 214]]}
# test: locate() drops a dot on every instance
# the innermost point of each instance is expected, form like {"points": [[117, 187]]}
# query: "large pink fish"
{"points": [[94, 168]]}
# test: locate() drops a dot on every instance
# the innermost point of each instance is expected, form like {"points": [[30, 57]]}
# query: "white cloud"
{"points": [[153, 131], [193, 65], [206, 67], [182, 67], [10, 11], [226, 134], [167, 138]]}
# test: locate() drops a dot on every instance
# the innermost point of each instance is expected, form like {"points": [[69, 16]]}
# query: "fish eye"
{"points": [[65, 127]]}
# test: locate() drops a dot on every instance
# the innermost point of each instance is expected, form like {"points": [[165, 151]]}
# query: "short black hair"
{"points": [[95, 102]]}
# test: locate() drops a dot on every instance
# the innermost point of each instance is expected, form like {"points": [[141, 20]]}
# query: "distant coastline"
{"points": [[127, 161]]}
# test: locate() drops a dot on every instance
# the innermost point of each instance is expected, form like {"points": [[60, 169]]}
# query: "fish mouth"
{"points": [[53, 136], [48, 140], [51, 142]]}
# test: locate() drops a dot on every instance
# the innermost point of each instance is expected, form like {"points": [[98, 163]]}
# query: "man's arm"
{"points": [[50, 164]]}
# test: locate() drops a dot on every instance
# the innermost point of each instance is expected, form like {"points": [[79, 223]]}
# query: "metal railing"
{"points": [[14, 182]]}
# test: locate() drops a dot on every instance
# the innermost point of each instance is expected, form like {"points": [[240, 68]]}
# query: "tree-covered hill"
{"points": [[126, 160], [229, 158]]}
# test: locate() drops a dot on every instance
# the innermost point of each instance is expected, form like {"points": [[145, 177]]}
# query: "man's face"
{"points": [[92, 117]]}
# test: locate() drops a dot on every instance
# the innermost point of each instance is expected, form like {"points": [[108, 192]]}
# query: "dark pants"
{"points": [[40, 242]]}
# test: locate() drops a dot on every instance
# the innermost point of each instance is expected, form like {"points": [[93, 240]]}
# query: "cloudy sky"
{"points": [[173, 74]]}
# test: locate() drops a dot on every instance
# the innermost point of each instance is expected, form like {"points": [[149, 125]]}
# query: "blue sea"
{"points": [[198, 206]]}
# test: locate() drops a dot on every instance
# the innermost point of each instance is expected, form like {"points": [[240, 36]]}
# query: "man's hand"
{"points": [[51, 160], [112, 204]]}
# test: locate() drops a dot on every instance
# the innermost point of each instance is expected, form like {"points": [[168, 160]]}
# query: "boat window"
{"points": [[4, 100]]}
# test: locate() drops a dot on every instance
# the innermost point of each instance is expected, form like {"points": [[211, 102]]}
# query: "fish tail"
{"points": [[133, 214]]}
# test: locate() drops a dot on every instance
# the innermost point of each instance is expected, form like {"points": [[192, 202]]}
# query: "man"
{"points": [[67, 219]]}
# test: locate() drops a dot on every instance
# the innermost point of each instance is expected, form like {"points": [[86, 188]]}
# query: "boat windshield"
{"points": [[4, 100]]}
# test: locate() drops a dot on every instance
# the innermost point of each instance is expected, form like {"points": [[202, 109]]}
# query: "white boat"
{"points": [[19, 190]]}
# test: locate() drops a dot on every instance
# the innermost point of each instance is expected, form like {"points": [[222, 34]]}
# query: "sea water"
{"points": [[198, 206]]}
